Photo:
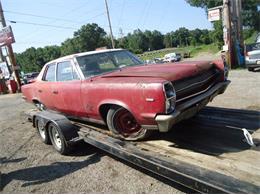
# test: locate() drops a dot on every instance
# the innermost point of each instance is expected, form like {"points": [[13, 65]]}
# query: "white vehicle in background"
{"points": [[172, 57], [252, 56]]}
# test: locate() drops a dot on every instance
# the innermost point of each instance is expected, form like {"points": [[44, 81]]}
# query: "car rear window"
{"points": [[66, 72], [50, 73], [253, 47]]}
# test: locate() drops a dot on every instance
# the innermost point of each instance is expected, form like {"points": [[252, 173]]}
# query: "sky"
{"points": [[63, 17]]}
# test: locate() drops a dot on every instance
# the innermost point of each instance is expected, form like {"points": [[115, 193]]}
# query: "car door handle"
{"points": [[39, 91], [55, 92]]}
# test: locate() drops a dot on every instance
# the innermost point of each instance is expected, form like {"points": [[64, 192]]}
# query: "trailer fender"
{"points": [[69, 131]]}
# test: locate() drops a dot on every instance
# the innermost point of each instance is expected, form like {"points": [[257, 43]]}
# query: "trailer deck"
{"points": [[208, 154]]}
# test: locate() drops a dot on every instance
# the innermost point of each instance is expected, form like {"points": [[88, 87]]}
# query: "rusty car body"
{"points": [[115, 88]]}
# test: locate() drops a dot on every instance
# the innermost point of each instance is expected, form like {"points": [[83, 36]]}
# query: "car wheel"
{"points": [[123, 124], [40, 126], [57, 139]]}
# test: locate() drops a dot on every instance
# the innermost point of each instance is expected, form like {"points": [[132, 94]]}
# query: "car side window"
{"points": [[50, 73], [66, 72]]}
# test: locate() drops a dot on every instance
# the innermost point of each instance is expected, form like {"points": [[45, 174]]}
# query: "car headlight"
{"points": [[170, 97]]}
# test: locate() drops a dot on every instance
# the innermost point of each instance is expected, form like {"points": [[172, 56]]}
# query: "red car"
{"points": [[114, 87]]}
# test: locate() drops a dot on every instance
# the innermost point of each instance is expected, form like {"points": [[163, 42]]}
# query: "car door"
{"points": [[67, 89], [45, 86]]}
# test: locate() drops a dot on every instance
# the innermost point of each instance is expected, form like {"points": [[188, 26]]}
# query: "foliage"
{"points": [[194, 51], [87, 38], [33, 59], [249, 36], [91, 36], [250, 13]]}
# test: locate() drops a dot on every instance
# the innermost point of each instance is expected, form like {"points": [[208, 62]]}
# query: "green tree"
{"points": [[250, 13], [69, 46], [137, 42], [155, 39], [167, 40], [89, 37], [182, 35]]}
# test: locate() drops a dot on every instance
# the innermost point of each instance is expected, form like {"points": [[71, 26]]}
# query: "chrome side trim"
{"points": [[150, 127], [88, 120]]}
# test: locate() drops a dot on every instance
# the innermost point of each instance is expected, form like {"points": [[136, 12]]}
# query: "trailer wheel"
{"points": [[123, 124], [41, 128], [57, 139]]}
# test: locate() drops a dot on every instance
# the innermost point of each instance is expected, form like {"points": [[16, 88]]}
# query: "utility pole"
{"points": [[227, 32], [111, 33], [236, 19], [10, 50], [238, 8]]}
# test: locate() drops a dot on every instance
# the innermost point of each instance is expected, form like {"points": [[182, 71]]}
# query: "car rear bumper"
{"points": [[189, 108], [253, 63]]}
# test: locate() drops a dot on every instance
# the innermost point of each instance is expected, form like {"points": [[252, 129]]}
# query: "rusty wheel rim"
{"points": [[125, 123]]}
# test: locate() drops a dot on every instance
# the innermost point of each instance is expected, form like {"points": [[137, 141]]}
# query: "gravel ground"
{"points": [[29, 166], [242, 93]]}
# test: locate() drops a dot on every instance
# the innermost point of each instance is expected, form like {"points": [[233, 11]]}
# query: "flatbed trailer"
{"points": [[210, 153]]}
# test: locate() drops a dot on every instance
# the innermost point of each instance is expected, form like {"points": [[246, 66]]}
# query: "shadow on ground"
{"points": [[214, 131], [47, 173], [5, 160]]}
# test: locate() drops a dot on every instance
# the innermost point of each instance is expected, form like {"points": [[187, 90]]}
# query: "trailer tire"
{"points": [[42, 131], [122, 124], [57, 139]]}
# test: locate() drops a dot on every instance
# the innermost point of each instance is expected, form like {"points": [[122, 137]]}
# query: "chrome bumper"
{"points": [[189, 108]]}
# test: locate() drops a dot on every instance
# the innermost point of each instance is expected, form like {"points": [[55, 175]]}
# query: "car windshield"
{"points": [[100, 63]]}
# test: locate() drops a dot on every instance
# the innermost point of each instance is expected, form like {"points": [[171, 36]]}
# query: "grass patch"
{"points": [[193, 50], [252, 38]]}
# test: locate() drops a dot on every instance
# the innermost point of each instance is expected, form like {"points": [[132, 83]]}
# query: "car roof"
{"points": [[83, 54]]}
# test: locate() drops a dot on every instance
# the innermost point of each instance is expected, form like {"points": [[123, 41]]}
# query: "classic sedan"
{"points": [[115, 88]]}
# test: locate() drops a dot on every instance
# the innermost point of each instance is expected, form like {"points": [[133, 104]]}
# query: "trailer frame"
{"points": [[196, 178]]}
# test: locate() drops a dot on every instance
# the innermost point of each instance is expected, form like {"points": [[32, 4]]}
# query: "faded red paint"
{"points": [[128, 88]]}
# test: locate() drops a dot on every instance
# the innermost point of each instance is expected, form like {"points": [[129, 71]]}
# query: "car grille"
{"points": [[192, 86]]}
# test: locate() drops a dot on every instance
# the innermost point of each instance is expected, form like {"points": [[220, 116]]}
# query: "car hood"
{"points": [[169, 71]]}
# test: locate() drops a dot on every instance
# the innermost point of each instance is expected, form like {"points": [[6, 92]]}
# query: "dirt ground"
{"points": [[29, 166]]}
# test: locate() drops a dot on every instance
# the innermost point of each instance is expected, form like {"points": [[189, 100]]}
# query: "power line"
{"points": [[54, 26], [54, 20], [26, 43], [95, 16], [147, 12], [143, 12], [39, 24], [38, 16], [121, 13]]}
